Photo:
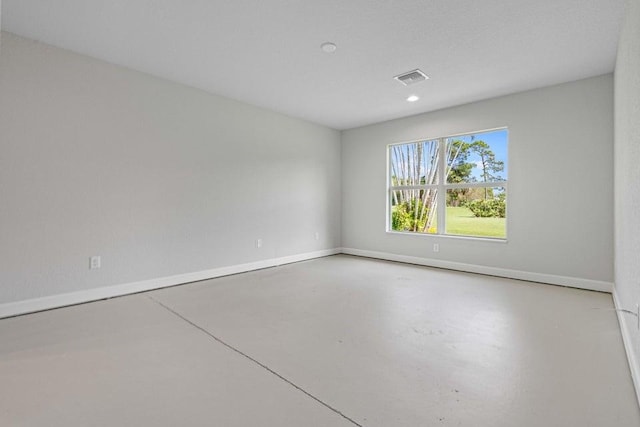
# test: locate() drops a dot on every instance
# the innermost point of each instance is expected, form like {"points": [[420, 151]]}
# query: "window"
{"points": [[454, 185]]}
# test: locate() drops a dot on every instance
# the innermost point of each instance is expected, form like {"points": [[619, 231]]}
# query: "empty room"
{"points": [[320, 213]]}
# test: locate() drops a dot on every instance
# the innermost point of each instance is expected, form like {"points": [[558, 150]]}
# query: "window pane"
{"points": [[480, 157], [414, 210], [415, 163], [479, 212]]}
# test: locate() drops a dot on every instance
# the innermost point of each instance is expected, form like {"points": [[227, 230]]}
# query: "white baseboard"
{"points": [[79, 297], [573, 282], [634, 363]]}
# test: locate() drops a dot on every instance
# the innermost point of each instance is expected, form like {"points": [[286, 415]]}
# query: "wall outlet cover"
{"points": [[94, 262]]}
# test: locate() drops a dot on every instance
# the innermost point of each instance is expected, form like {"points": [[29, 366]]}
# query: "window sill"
{"points": [[450, 236]]}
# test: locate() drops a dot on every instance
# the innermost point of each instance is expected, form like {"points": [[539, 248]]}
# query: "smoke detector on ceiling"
{"points": [[328, 47], [411, 77]]}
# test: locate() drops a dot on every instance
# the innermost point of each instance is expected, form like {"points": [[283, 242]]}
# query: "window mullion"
{"points": [[441, 195]]}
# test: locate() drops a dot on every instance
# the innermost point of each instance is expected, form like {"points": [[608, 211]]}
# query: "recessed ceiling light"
{"points": [[328, 47], [413, 98]]}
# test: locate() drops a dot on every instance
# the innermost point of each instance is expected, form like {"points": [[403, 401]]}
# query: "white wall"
{"points": [[560, 217], [627, 181], [157, 178]]}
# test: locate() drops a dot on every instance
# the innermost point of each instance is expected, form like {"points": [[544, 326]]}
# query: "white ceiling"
{"points": [[267, 52]]}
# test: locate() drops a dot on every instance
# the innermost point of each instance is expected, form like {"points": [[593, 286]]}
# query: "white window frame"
{"points": [[442, 187]]}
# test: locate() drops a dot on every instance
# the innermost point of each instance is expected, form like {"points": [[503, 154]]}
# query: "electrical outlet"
{"points": [[317, 236], [258, 243], [436, 247], [94, 262]]}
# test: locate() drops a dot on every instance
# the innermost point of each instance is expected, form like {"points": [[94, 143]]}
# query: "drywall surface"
{"points": [[627, 181], [560, 197], [156, 178]]}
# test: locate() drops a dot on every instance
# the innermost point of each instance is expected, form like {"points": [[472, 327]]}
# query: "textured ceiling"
{"points": [[267, 52]]}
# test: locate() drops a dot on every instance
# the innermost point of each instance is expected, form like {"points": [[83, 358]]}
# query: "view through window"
{"points": [[454, 185]]}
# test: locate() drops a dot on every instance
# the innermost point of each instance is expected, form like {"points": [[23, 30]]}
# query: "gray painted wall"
{"points": [[560, 216], [161, 179], [627, 178], [157, 178]]}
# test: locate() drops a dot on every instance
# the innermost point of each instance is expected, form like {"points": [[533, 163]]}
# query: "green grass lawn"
{"points": [[461, 221]]}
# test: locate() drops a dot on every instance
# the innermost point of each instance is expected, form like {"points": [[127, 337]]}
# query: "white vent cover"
{"points": [[411, 77]]}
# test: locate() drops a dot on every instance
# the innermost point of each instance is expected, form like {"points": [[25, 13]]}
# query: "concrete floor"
{"points": [[338, 341]]}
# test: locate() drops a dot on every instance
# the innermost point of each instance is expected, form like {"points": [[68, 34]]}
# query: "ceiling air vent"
{"points": [[411, 77]]}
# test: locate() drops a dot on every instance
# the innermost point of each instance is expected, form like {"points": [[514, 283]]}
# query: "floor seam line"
{"points": [[255, 361]]}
